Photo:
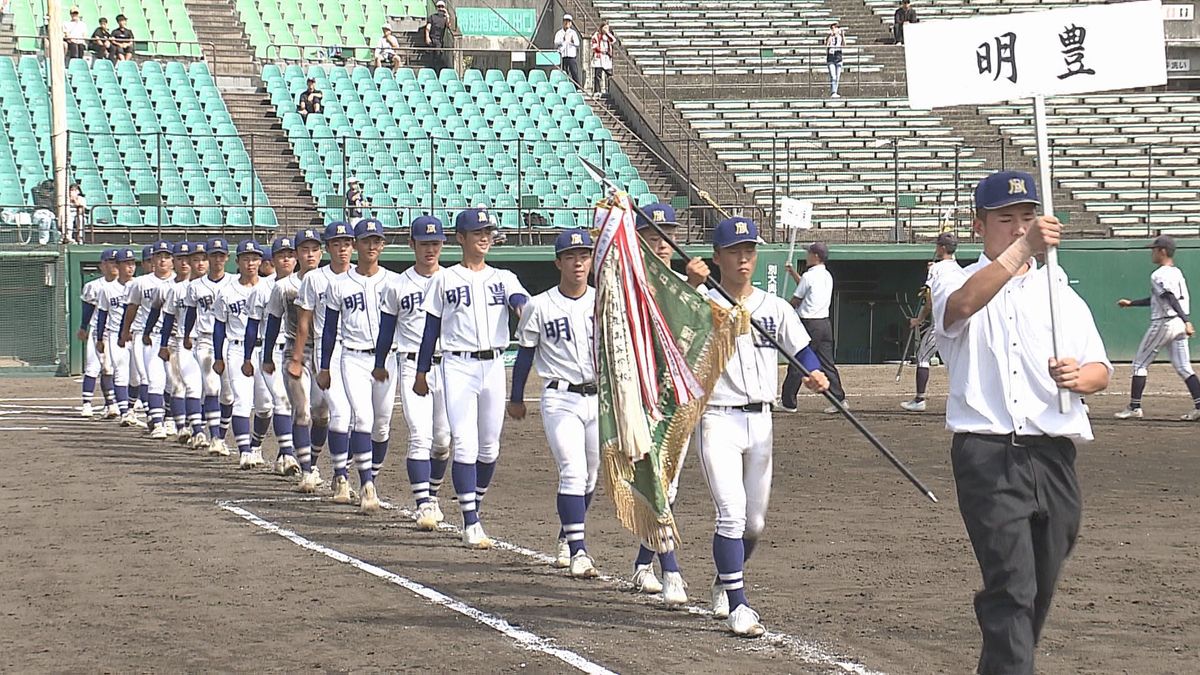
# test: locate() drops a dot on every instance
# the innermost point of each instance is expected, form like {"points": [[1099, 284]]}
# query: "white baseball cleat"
{"points": [[674, 589], [474, 537], [169, 426], [784, 408], [644, 580], [184, 437], [342, 494], [369, 503], [111, 412], [1135, 413], [915, 405], [138, 406], [217, 448], [833, 408], [720, 601], [246, 461], [743, 622], [1191, 416], [309, 482], [129, 419], [199, 441], [85, 410], [286, 465], [583, 567], [256, 459], [426, 520], [562, 555], [159, 433], [438, 516]]}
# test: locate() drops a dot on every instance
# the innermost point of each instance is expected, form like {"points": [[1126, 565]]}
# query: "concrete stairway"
{"points": [[226, 48], [8, 41]]}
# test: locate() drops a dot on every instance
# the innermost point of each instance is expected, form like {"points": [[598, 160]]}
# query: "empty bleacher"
{"points": [[134, 131], [1132, 159], [301, 27], [839, 154], [164, 26], [419, 138], [955, 9]]}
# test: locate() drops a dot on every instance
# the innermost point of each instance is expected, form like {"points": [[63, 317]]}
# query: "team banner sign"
{"points": [[1004, 57], [660, 347]]}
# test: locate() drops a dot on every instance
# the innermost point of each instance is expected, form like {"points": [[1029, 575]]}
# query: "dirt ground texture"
{"points": [[117, 557]]}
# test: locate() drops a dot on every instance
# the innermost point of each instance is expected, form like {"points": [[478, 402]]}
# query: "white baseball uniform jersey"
{"points": [[282, 304], [752, 373], [404, 299], [111, 298], [91, 360], [202, 294], [562, 330], [329, 403], [233, 302], [89, 294], [1168, 278], [1166, 326], [358, 299], [313, 288], [928, 346], [143, 291]]}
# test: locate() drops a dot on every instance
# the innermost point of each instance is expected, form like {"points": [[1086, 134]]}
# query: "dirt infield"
{"points": [[117, 557]]}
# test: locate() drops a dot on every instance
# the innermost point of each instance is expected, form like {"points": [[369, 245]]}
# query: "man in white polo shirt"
{"points": [[814, 294], [1013, 452]]}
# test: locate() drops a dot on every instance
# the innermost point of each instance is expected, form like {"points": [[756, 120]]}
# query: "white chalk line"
{"points": [[24, 428], [522, 637], [808, 651]]}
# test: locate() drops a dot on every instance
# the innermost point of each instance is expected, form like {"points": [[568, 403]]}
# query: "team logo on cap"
{"points": [[341, 229], [430, 228], [310, 233], [660, 216], [576, 239], [740, 227], [483, 216], [250, 246], [1016, 186]]}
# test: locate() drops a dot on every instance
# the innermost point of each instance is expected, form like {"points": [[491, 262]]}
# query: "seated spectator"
{"points": [[387, 51], [42, 196], [75, 34], [310, 100], [77, 211], [101, 45], [122, 40], [355, 201]]}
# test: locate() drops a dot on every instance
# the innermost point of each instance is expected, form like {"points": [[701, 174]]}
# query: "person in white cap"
{"points": [[567, 42], [387, 50]]}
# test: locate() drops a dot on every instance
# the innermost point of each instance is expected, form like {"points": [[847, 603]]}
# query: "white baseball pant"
{"points": [[154, 368], [184, 362], [212, 383], [428, 428], [118, 358], [299, 392], [280, 402], [371, 401], [473, 390], [926, 349], [250, 394], [571, 424], [735, 458], [91, 359], [137, 361], [1169, 333], [330, 404]]}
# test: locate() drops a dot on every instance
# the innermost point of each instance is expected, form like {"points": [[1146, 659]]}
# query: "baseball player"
{"points": [[266, 268], [110, 303], [674, 589], [1170, 327], [401, 324], [231, 314], [1013, 453], [201, 304], [467, 308], [352, 311], [283, 257], [181, 368], [735, 433], [557, 333], [281, 306], [92, 366], [137, 331], [138, 383], [330, 408], [943, 259]]}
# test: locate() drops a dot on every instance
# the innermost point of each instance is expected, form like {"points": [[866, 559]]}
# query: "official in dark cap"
{"points": [[1013, 452], [943, 259], [812, 298]]}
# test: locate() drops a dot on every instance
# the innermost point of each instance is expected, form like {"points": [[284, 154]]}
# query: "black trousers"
{"points": [[571, 65], [1020, 501], [821, 333], [74, 50]]}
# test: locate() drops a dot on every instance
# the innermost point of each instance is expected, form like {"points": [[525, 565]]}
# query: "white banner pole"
{"points": [[1043, 151]]}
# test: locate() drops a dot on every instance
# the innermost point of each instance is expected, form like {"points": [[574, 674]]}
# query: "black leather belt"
{"points": [[257, 343], [748, 408], [586, 389], [412, 356], [360, 351], [485, 355], [1015, 440]]}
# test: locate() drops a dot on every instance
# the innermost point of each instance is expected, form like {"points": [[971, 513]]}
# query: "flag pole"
{"points": [[1043, 154], [598, 175]]}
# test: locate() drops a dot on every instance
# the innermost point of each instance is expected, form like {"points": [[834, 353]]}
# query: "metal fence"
{"points": [[33, 336]]}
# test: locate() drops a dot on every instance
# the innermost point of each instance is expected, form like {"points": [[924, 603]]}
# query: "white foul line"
{"points": [[806, 650], [522, 637]]}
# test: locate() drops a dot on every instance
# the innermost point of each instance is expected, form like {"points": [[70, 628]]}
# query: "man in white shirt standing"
{"points": [[567, 42], [814, 294], [1013, 452]]}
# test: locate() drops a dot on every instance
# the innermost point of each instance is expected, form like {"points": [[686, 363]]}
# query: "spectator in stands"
{"points": [[567, 42], [387, 50], [435, 35], [43, 211], [311, 100], [122, 40], [355, 201], [603, 42], [833, 57], [101, 40], [77, 210], [904, 14], [75, 34]]}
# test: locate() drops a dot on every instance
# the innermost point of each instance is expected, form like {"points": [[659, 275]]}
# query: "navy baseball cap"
{"points": [[126, 255], [199, 247], [338, 230], [284, 243], [659, 214], [147, 251], [819, 249], [307, 234], [572, 239], [182, 248], [249, 246], [1164, 241], [1005, 188], [732, 231], [218, 245], [427, 228], [108, 255], [162, 246], [470, 220], [368, 227]]}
